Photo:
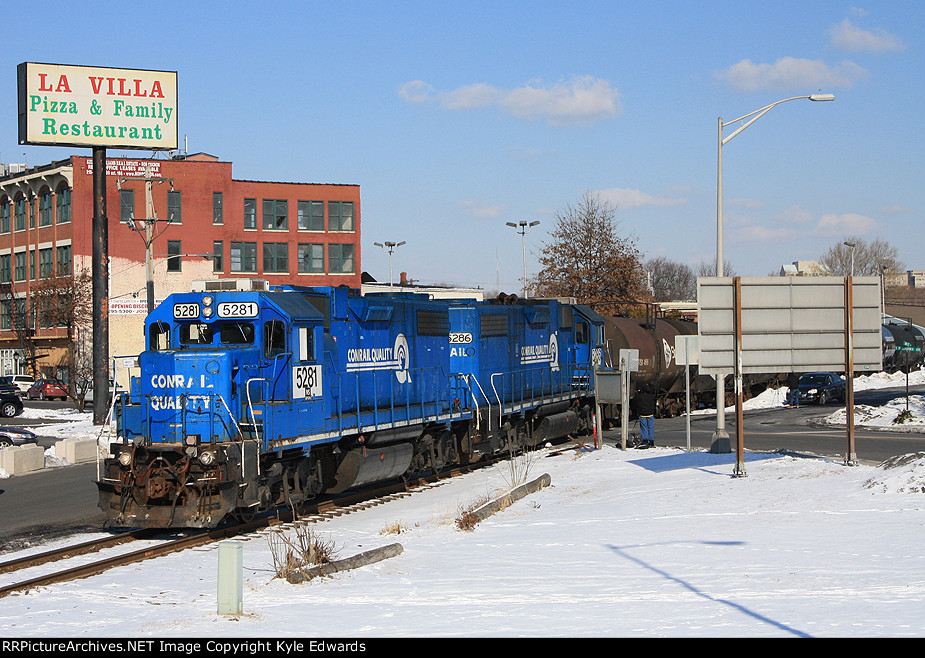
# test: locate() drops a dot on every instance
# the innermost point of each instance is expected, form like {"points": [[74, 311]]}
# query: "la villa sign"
{"points": [[62, 105]]}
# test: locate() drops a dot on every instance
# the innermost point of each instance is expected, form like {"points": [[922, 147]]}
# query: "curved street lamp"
{"points": [[721, 141]]}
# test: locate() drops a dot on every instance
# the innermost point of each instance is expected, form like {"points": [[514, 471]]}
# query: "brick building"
{"points": [[204, 224]]}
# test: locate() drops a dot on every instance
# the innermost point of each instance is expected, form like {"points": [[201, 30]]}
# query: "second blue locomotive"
{"points": [[253, 397]]}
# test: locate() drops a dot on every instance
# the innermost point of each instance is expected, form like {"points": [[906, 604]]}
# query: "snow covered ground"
{"points": [[657, 542]]}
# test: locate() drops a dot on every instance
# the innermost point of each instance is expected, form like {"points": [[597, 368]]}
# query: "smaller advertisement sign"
{"points": [[62, 105]]}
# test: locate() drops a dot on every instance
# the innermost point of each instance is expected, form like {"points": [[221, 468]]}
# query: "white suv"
{"points": [[24, 382]]}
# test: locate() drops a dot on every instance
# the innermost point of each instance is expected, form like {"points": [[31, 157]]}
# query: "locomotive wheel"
{"points": [[245, 514]]}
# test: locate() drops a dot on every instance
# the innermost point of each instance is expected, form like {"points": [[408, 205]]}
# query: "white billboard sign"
{"points": [[63, 105], [789, 324]]}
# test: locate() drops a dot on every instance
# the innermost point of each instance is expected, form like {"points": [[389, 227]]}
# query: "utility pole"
{"points": [[150, 223]]}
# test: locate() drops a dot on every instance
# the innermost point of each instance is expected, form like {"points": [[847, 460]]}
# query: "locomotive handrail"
{"points": [[485, 395], [250, 403]]}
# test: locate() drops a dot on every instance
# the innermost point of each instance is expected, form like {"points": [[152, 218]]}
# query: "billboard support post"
{"points": [[740, 416], [851, 456], [100, 276]]}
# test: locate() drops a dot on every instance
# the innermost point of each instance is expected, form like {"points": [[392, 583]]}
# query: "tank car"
{"points": [[251, 397], [902, 334]]}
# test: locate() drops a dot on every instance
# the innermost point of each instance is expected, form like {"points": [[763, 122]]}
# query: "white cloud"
{"points": [[416, 91], [624, 198], [795, 215], [791, 73], [847, 36], [846, 224], [763, 234], [580, 100], [480, 210]]}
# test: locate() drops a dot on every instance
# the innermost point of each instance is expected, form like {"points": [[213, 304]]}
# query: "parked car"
{"points": [[820, 387], [24, 382], [10, 404], [7, 385], [10, 436], [119, 390], [46, 389]]}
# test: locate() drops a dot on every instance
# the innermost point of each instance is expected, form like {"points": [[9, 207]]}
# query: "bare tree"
{"points": [[670, 280], [870, 258], [588, 260], [709, 269], [64, 301]]}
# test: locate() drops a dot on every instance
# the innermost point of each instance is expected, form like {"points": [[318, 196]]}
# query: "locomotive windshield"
{"points": [[201, 333]]}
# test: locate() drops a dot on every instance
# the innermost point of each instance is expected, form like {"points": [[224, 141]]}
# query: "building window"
{"points": [[218, 251], [46, 264], [6, 275], [5, 216], [250, 213], [340, 259], [311, 258], [64, 260], [31, 265], [5, 315], [45, 208], [173, 253], [243, 256], [19, 211], [275, 257], [340, 215], [64, 205], [20, 265], [275, 215], [217, 217], [21, 216], [174, 207], [311, 215], [126, 205]]}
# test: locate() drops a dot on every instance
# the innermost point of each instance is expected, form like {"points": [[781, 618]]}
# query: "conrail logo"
{"points": [[549, 353], [397, 358]]}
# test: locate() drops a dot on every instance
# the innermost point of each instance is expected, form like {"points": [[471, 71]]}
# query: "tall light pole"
{"points": [[523, 228], [390, 247], [720, 433], [851, 245]]}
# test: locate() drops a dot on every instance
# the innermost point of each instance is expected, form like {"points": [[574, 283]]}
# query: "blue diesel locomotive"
{"points": [[252, 397]]}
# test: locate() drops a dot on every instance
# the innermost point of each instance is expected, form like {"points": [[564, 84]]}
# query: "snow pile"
{"points": [[901, 474]]}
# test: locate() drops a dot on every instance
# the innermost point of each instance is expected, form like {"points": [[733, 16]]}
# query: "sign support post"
{"points": [[100, 276]]}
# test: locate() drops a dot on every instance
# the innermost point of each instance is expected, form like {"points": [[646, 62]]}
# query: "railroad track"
{"points": [[323, 509]]}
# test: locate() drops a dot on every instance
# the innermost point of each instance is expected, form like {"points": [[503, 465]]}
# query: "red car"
{"points": [[46, 389]]}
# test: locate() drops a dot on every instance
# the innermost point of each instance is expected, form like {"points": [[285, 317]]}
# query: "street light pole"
{"points": [[523, 228], [390, 247], [851, 245], [720, 433]]}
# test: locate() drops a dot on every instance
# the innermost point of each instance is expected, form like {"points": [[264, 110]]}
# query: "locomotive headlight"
{"points": [[207, 311], [207, 458], [207, 300], [125, 458]]}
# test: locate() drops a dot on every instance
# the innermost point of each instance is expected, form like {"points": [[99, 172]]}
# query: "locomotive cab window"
{"points": [[237, 333], [306, 344], [159, 336], [581, 333], [195, 334], [274, 338]]}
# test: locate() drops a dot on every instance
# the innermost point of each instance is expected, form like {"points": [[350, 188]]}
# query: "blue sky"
{"points": [[454, 118]]}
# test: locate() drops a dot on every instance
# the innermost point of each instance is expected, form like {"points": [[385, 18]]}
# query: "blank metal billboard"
{"points": [[789, 324]]}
